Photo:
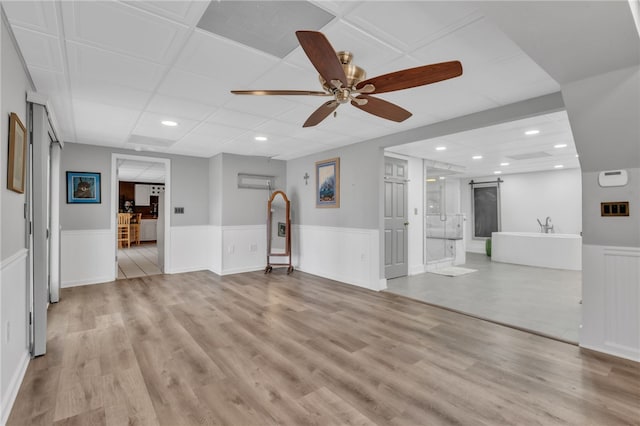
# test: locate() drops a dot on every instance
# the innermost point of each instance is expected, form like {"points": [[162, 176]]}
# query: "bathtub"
{"points": [[558, 251]]}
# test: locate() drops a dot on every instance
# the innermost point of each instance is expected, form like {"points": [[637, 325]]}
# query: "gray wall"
{"points": [[603, 112], [215, 190], [189, 187], [360, 180], [15, 84], [242, 206]]}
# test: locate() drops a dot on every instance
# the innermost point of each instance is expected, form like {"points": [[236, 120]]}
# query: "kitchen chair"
{"points": [[124, 232], [135, 228]]}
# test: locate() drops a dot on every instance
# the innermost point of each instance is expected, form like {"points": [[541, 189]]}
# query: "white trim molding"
{"points": [[14, 386], [348, 255], [243, 248], [611, 300], [191, 248]]}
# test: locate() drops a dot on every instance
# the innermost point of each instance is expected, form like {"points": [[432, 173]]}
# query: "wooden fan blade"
{"points": [[321, 113], [322, 55], [279, 92], [414, 77], [382, 108]]}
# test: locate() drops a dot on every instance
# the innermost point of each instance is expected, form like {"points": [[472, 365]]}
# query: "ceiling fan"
{"points": [[345, 82]]}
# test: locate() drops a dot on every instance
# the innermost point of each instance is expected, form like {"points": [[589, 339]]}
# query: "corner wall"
{"points": [[339, 243], [14, 295], [87, 241], [603, 112]]}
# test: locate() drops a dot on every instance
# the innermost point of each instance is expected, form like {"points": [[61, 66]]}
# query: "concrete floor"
{"points": [[546, 301]]}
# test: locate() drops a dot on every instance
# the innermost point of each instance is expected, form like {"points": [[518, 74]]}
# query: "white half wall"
{"points": [[87, 257], [14, 334], [191, 248], [610, 297], [349, 255], [244, 248]]}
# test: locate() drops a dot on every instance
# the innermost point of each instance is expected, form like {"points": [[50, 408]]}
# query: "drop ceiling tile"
{"points": [[413, 23], [276, 130], [264, 106], [184, 12], [179, 108], [110, 93], [475, 45], [34, 15], [337, 8], [287, 76], [219, 58], [186, 85], [219, 132], [98, 123], [368, 51], [39, 50], [50, 83], [121, 28], [150, 125], [238, 119], [99, 65]]}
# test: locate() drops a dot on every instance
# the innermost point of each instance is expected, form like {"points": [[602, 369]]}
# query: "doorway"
{"points": [[396, 241], [140, 197]]}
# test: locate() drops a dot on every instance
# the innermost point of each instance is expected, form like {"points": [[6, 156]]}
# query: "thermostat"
{"points": [[613, 178]]}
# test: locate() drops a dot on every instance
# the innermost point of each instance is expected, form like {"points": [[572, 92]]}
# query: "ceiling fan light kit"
{"points": [[348, 83]]}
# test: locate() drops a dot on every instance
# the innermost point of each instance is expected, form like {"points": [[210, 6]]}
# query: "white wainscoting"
{"points": [[216, 250], [349, 255], [244, 248], [87, 257], [14, 351], [191, 248], [611, 300]]}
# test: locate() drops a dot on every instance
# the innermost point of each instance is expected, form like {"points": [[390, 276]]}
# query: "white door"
{"points": [[396, 242]]}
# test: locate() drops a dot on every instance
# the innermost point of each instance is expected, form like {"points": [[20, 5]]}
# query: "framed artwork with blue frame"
{"points": [[328, 183], [83, 188]]}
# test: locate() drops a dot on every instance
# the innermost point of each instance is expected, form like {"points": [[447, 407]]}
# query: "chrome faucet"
{"points": [[547, 227]]}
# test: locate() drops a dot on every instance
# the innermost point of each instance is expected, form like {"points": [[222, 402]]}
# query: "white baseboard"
{"points": [[348, 255], [417, 269], [14, 386]]}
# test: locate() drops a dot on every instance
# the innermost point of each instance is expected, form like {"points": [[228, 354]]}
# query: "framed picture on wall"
{"points": [[328, 183], [17, 154], [83, 188]]}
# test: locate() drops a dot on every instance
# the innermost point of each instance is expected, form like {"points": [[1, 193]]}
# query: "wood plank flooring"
{"points": [[255, 349]]}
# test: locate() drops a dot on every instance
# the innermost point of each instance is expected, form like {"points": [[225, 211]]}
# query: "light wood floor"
{"points": [[138, 261], [255, 349]]}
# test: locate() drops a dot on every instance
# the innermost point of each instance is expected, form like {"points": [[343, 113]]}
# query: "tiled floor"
{"points": [[138, 261], [543, 300]]}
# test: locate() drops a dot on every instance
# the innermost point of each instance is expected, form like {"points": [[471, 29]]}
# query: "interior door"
{"points": [[396, 241]]}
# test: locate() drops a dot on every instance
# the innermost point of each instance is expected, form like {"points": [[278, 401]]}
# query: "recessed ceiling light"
{"points": [[431, 180], [497, 172], [577, 155], [532, 132], [441, 148], [261, 138], [558, 166], [441, 178], [504, 164], [560, 145], [137, 148], [477, 157], [169, 123]]}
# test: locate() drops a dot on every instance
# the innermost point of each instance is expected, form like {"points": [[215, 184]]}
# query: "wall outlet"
{"points": [[363, 257], [253, 248], [231, 249]]}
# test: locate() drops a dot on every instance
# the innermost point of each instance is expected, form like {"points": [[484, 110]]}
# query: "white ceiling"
{"points": [[114, 70], [140, 171], [503, 143]]}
